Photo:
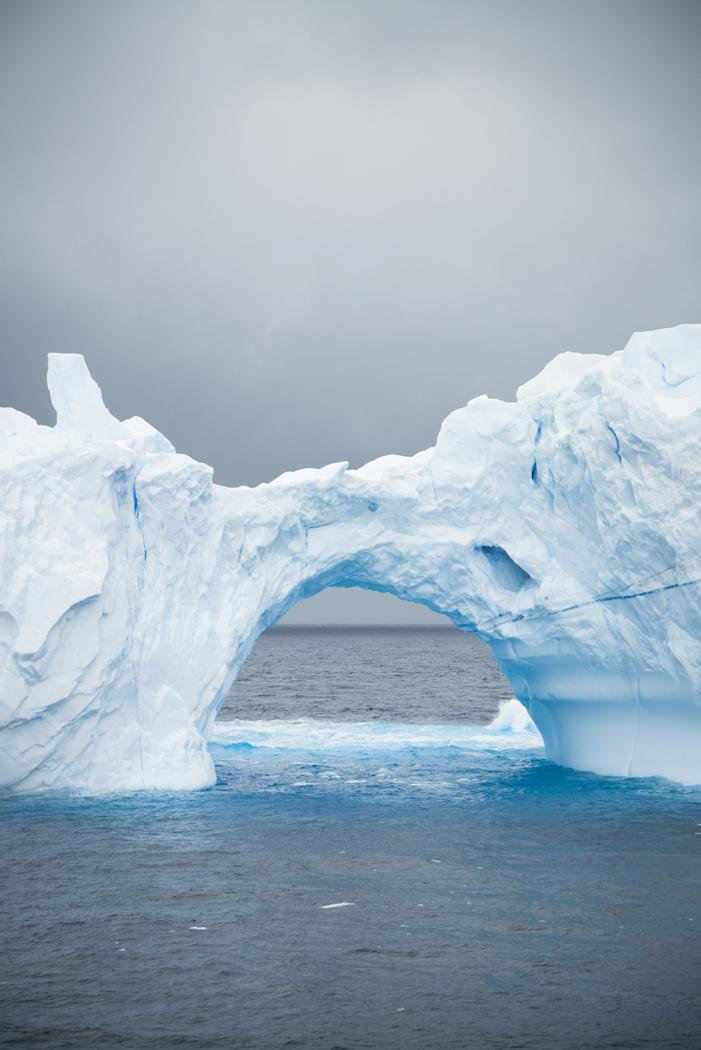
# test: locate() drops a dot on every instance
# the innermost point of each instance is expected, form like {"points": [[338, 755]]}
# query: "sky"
{"points": [[294, 233]]}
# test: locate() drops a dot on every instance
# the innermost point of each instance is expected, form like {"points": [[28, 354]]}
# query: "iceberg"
{"points": [[561, 528]]}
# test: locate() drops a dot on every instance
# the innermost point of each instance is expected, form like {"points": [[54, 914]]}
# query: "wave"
{"points": [[512, 729]]}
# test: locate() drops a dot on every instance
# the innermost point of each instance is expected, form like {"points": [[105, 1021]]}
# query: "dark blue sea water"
{"points": [[491, 898]]}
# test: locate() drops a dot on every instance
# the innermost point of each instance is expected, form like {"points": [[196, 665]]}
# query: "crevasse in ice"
{"points": [[562, 528]]}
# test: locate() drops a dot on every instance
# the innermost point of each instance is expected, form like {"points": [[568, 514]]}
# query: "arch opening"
{"points": [[355, 655]]}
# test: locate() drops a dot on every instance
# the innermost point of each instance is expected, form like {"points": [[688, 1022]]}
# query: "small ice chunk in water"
{"points": [[198, 927], [341, 904]]}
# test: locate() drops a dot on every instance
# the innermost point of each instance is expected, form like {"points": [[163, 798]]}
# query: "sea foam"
{"points": [[511, 729]]}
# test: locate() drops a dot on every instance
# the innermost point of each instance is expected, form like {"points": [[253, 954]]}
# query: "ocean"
{"points": [[377, 866]]}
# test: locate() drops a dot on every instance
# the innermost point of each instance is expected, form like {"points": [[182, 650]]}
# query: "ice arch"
{"points": [[562, 528]]}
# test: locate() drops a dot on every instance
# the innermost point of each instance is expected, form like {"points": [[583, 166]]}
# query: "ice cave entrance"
{"points": [[349, 654]]}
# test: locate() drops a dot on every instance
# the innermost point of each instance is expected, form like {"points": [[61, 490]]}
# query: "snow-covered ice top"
{"points": [[561, 528]]}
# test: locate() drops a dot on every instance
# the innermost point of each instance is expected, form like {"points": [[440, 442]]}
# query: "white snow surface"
{"points": [[561, 528]]}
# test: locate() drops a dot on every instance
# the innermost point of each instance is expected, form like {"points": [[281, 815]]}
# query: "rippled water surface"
{"points": [[490, 899]]}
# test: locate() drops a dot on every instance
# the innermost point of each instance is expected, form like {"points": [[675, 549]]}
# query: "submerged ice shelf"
{"points": [[510, 730], [352, 758], [561, 528]]}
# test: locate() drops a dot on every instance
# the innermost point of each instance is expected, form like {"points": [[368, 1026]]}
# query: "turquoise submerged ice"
{"points": [[562, 528]]}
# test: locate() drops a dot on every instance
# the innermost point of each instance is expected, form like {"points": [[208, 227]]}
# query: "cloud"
{"points": [[293, 233]]}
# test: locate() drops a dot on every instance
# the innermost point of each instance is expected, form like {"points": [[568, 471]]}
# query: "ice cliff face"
{"points": [[562, 528]]}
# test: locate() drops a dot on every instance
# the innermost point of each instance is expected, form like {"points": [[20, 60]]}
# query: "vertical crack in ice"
{"points": [[611, 431], [137, 513]]}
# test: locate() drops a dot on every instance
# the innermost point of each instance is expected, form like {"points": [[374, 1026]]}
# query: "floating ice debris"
{"points": [[198, 927], [341, 904], [512, 717]]}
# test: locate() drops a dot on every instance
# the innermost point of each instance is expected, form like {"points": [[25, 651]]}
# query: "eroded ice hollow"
{"points": [[563, 529]]}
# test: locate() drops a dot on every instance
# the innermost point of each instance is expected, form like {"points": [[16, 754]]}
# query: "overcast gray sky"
{"points": [[293, 233]]}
